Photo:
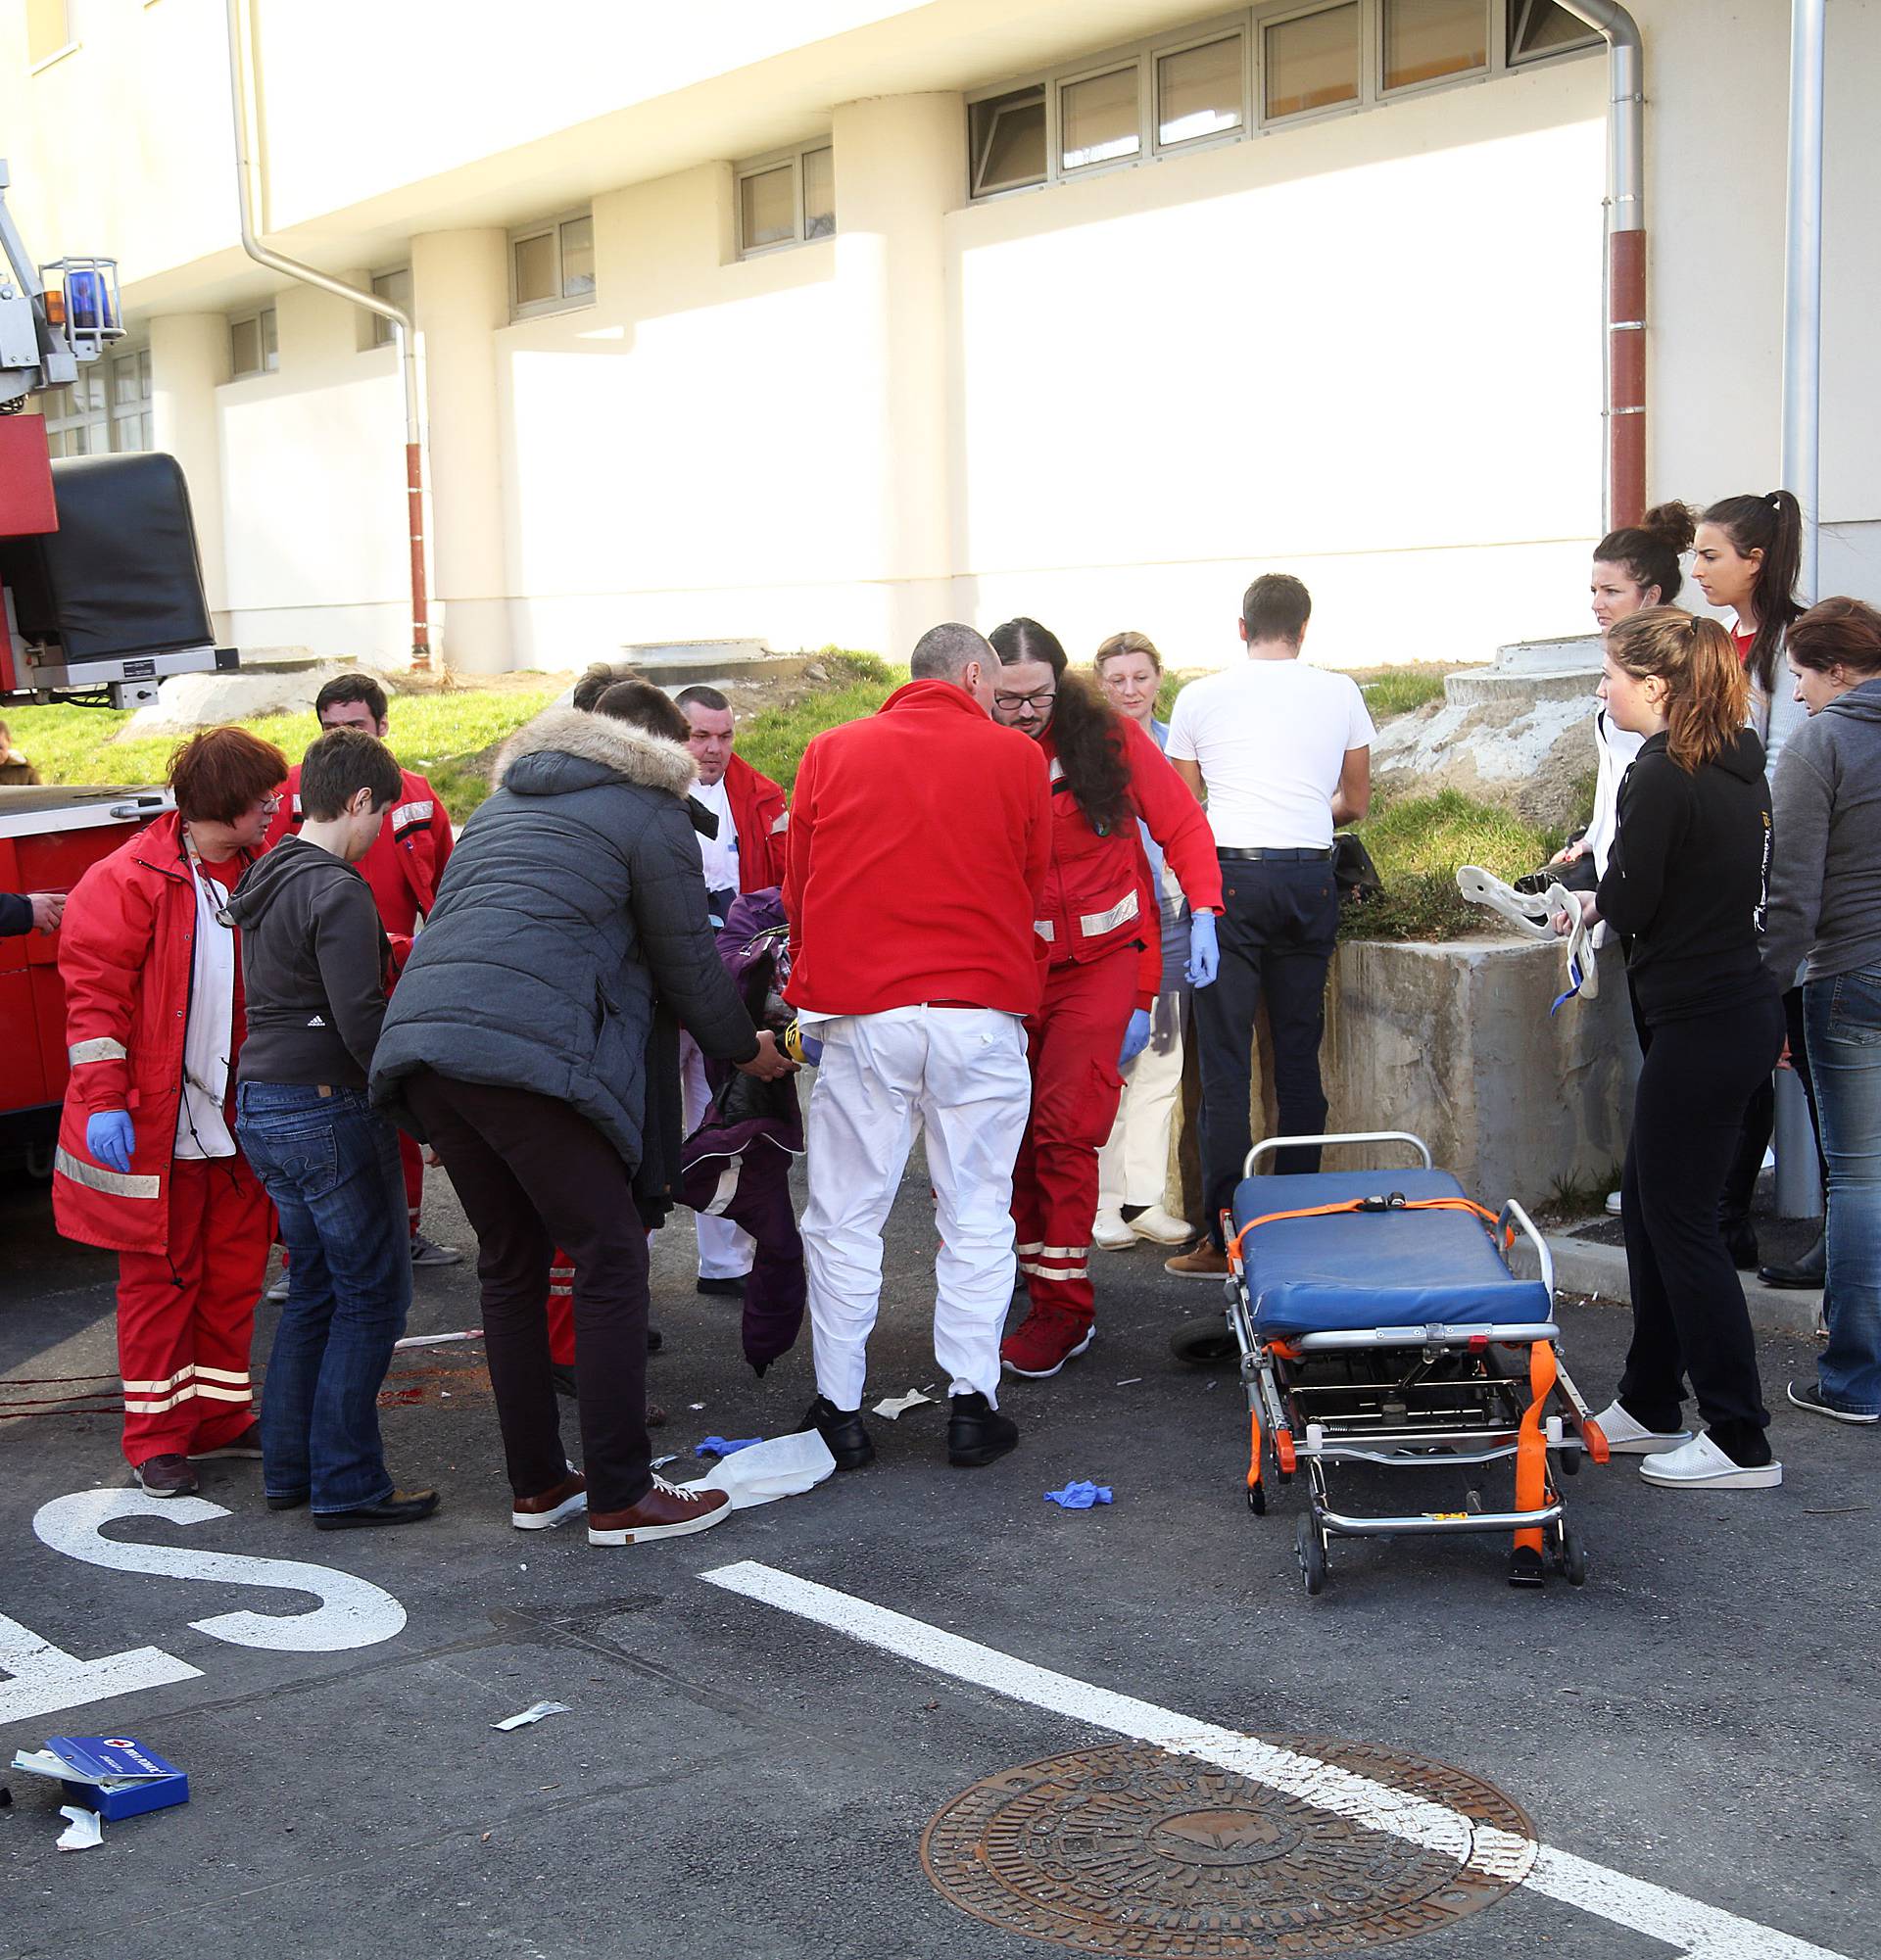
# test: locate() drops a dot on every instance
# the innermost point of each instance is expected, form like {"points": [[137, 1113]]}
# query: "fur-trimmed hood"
{"points": [[564, 749]]}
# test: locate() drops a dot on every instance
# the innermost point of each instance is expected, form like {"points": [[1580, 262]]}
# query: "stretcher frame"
{"points": [[1408, 1420]]}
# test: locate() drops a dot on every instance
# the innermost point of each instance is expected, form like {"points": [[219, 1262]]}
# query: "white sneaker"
{"points": [[1612, 1203], [1702, 1466], [1627, 1438], [1110, 1231], [278, 1291], [1156, 1226]]}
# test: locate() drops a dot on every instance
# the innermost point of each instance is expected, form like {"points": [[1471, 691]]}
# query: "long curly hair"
{"points": [[1087, 732]]}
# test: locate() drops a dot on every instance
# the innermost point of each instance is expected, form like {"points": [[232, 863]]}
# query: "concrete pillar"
{"points": [[188, 362], [901, 166], [460, 287]]}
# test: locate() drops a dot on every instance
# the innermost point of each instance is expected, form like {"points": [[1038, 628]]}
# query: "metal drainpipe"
{"points": [[1626, 258], [240, 88]]}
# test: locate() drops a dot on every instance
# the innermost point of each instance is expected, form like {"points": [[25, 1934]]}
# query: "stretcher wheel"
{"points": [[1572, 1556], [1311, 1548], [1569, 1462], [1204, 1343], [1257, 1500]]}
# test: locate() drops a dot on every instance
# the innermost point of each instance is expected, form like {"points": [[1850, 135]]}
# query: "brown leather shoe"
{"points": [[167, 1476], [550, 1506], [1204, 1262], [667, 1511]]}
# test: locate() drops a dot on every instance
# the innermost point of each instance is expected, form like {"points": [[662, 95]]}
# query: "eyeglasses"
{"points": [[1012, 704]]}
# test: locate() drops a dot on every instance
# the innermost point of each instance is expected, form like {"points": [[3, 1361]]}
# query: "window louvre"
{"points": [[1538, 27], [253, 346], [1008, 139], [1425, 41], [1312, 62], [1199, 92], [1098, 119], [788, 199]]}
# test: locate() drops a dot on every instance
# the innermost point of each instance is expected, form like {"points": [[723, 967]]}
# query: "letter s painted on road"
{"points": [[352, 1611]]}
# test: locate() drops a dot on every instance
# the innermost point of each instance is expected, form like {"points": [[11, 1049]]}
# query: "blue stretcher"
{"points": [[1374, 1313]]}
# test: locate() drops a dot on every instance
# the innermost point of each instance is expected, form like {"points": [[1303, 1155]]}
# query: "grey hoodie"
{"points": [[1825, 876], [314, 964]]}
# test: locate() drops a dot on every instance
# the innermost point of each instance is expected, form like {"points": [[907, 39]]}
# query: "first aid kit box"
{"points": [[117, 1777]]}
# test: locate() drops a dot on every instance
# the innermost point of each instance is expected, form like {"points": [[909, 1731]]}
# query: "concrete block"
{"points": [[1454, 1042], [189, 701], [1512, 747]]}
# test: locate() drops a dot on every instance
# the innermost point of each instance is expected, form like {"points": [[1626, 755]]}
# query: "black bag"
{"points": [[1353, 871]]}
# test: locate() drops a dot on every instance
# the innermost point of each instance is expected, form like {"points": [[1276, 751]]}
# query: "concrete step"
{"points": [[687, 663], [1584, 1266], [1488, 686]]}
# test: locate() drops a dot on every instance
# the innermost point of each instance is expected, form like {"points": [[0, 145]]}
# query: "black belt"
{"points": [[1277, 856]]}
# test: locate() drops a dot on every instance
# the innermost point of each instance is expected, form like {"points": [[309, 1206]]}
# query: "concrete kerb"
{"points": [[1583, 1266]]}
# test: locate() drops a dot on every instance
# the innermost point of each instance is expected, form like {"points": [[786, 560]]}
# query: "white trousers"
{"points": [[1132, 1167], [725, 1249], [961, 1074]]}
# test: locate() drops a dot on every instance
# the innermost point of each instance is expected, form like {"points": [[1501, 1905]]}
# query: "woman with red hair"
{"points": [[147, 1163]]}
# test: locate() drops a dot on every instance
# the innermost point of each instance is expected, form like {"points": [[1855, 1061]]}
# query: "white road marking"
{"points": [[46, 1678], [1697, 1931], [353, 1612]]}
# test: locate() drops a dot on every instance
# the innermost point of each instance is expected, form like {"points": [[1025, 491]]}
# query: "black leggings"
{"points": [[1689, 1318]]}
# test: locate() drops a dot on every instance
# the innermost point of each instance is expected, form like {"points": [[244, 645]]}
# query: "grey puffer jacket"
{"points": [[573, 898]]}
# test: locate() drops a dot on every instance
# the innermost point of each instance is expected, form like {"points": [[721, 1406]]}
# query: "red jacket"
{"points": [[918, 844], [125, 950], [406, 860], [758, 809], [1100, 894]]}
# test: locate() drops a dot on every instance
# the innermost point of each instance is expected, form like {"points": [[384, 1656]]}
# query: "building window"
{"points": [[551, 266], [1007, 135], [1311, 62], [1538, 27], [130, 427], [76, 424], [48, 33], [1099, 119], [788, 199], [395, 286], [1201, 91], [253, 346], [1425, 41]]}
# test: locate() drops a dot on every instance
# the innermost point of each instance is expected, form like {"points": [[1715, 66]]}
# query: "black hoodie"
{"points": [[1687, 880], [313, 965]]}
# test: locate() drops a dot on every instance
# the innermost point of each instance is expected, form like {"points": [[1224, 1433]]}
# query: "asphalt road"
{"points": [[738, 1781]]}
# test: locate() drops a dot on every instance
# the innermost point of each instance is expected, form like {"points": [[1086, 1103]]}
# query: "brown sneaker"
{"points": [[667, 1511], [560, 1500], [167, 1476], [247, 1444], [1204, 1262]]}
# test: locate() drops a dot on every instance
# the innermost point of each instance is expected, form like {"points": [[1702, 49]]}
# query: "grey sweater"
{"points": [[1825, 876]]}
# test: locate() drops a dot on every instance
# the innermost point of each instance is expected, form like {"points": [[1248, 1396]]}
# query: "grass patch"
{"points": [[1418, 844], [443, 736], [1397, 691], [773, 741]]}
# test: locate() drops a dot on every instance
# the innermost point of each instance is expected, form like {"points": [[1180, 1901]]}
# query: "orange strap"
{"points": [[1363, 1204], [1531, 1445], [1253, 1448]]}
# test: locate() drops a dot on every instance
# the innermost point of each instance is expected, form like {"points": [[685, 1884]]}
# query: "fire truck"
{"points": [[103, 595]]}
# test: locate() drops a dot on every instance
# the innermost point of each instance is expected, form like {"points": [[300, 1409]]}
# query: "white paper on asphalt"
{"points": [[1697, 1931]]}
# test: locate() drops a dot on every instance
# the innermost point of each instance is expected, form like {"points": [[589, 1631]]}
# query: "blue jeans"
{"points": [[333, 1169], [1843, 1016]]}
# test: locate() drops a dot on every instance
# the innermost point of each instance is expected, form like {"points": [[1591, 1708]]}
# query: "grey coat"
{"points": [[572, 899]]}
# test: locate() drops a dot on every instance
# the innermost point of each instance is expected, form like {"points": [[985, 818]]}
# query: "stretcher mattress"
{"points": [[1356, 1270]]}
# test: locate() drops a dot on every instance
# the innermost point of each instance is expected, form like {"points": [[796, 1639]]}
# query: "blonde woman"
{"points": [[1133, 1168]]}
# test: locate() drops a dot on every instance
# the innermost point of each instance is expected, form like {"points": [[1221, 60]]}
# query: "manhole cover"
{"points": [[1124, 1850]]}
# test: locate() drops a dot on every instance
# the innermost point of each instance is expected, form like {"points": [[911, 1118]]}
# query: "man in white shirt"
{"points": [[1282, 753]]}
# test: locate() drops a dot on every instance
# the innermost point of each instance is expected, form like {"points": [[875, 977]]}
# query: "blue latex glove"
{"points": [[1135, 1036], [1204, 950], [723, 1446], [111, 1139], [1079, 1495]]}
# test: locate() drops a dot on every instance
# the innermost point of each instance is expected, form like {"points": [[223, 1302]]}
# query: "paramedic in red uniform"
{"points": [[147, 1163], [1102, 922], [746, 855], [403, 868]]}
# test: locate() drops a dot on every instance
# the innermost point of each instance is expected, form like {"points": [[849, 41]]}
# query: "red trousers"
{"points": [[1072, 1044], [412, 1162], [562, 1309], [186, 1319]]}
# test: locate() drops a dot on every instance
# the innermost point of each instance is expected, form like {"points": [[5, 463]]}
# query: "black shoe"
{"points": [[1807, 1274], [843, 1429], [401, 1507], [977, 1433], [1810, 1397], [656, 1340], [293, 1503], [722, 1289], [1740, 1241]]}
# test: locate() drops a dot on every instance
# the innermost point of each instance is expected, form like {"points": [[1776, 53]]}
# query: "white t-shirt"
{"points": [[718, 855], [1271, 737]]}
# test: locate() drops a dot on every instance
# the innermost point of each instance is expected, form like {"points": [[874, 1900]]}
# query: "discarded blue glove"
{"points": [[111, 1139], [1135, 1036], [723, 1446], [1204, 950], [1080, 1496]]}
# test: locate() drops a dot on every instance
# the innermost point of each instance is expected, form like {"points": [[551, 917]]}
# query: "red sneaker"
{"points": [[1044, 1341]]}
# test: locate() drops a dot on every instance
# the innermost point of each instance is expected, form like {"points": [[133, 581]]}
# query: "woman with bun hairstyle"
{"points": [[1825, 911], [1102, 924], [1685, 884]]}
